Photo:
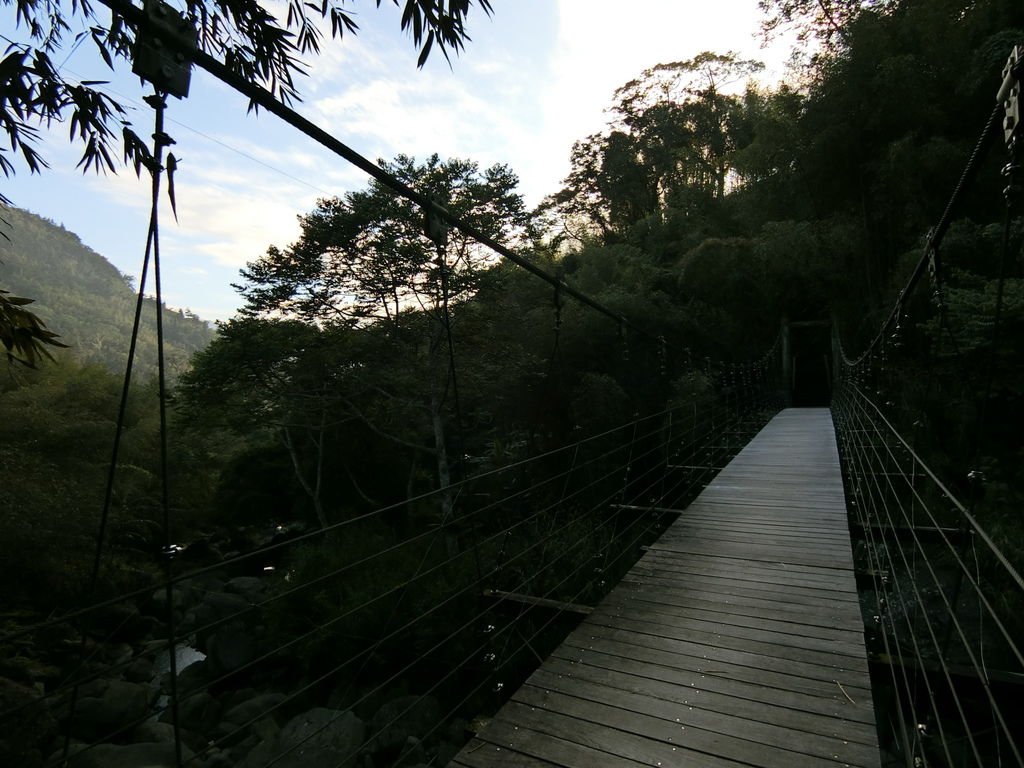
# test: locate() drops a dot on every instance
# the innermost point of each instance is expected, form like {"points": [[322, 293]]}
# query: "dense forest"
{"points": [[379, 381]]}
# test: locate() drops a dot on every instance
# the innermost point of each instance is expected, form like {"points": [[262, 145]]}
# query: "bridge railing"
{"points": [[384, 635], [945, 610]]}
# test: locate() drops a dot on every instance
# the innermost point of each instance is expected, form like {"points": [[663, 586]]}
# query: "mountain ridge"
{"points": [[85, 299]]}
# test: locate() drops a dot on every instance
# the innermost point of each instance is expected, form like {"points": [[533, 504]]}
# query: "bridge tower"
{"points": [[808, 362]]}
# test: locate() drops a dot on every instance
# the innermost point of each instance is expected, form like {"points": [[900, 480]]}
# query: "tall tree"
{"points": [[669, 146], [365, 263]]}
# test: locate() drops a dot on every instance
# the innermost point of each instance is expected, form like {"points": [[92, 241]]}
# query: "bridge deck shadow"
{"points": [[735, 640]]}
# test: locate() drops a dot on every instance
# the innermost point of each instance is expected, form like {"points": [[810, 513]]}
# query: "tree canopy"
{"points": [[244, 34]]}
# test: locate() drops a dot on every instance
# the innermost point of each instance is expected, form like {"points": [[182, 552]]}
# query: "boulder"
{"points": [[249, 587], [401, 718], [199, 712], [121, 704], [231, 647], [446, 752], [319, 738], [153, 733], [28, 671], [149, 755], [140, 670], [412, 753], [252, 709], [26, 723], [194, 677]]}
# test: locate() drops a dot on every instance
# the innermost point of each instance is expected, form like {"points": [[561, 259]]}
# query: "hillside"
{"points": [[84, 298]]}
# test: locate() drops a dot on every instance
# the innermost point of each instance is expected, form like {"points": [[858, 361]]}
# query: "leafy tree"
{"points": [[244, 34], [367, 303], [669, 147], [23, 335], [824, 21]]}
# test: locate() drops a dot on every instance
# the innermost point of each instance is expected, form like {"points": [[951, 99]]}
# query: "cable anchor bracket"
{"points": [[435, 225], [1009, 95], [162, 46]]}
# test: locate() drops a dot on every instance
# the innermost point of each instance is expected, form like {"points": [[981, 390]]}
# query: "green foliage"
{"points": [[247, 37], [23, 335], [55, 446], [85, 300]]}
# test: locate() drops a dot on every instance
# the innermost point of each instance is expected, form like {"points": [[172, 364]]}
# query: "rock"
{"points": [[249, 587], [401, 718], [253, 716], [412, 753], [218, 759], [232, 646], [319, 738], [26, 670], [240, 696], [118, 655], [27, 724], [194, 677], [121, 621], [121, 704], [252, 709], [199, 712], [150, 755], [153, 733], [457, 731], [219, 605], [139, 671], [201, 552], [446, 752]]}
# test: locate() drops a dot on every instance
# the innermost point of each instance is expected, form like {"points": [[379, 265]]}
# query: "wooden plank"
{"points": [[681, 569], [752, 553], [835, 713], [707, 636], [816, 676], [503, 743], [755, 609], [726, 567], [727, 594], [736, 639], [725, 615], [700, 709], [845, 644], [767, 592], [622, 743], [666, 726]]}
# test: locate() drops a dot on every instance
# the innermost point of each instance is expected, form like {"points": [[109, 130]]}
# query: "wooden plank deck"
{"points": [[736, 640]]}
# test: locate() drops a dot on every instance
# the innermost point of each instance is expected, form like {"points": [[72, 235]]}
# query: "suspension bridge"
{"points": [[736, 639], [682, 589]]}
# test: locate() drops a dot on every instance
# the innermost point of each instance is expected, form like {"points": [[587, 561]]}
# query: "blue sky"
{"points": [[536, 76]]}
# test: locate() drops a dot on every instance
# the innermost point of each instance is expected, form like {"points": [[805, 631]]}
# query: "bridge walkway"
{"points": [[736, 640]]}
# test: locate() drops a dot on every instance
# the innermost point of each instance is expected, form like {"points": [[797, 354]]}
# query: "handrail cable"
{"points": [[476, 617], [293, 591], [876, 562], [392, 634], [309, 535]]}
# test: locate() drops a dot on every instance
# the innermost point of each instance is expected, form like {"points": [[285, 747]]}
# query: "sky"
{"points": [[536, 76]]}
